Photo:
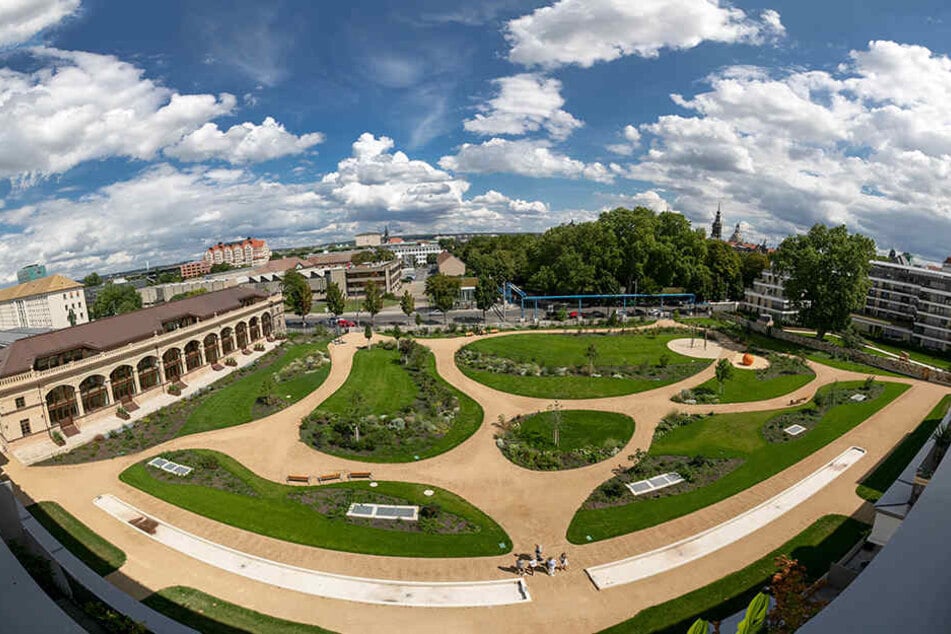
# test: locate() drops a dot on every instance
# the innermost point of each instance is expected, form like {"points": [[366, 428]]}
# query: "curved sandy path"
{"points": [[531, 506]]}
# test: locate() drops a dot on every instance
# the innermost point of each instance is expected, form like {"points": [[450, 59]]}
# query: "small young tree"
{"points": [[297, 293], [592, 354], [407, 304], [792, 593], [373, 303], [335, 299], [724, 372], [368, 333], [443, 291], [555, 409], [268, 390], [418, 319]]}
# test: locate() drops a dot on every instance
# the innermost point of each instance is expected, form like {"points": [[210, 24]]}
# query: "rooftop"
{"points": [[42, 286], [114, 332]]}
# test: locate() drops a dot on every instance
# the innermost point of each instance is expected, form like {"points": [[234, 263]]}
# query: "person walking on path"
{"points": [[563, 562], [532, 564], [551, 566], [538, 552], [519, 566]]}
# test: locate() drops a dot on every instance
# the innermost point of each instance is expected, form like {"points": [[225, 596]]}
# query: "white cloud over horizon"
{"points": [[525, 103], [242, 143], [585, 32], [533, 158]]}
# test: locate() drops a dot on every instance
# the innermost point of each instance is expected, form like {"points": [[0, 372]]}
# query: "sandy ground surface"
{"points": [[534, 507], [696, 348]]}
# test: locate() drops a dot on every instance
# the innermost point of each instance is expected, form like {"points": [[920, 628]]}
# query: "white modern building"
{"points": [[414, 253], [908, 304], [768, 297], [47, 302]]}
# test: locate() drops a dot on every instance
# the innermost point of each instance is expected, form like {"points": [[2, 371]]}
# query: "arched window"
{"points": [[227, 341], [192, 355], [254, 328], [123, 383], [241, 333], [266, 324], [172, 362], [93, 393], [61, 404], [211, 348], [148, 369]]}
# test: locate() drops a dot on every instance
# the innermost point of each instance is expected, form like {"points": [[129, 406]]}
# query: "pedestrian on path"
{"points": [[532, 564], [552, 564], [538, 552], [563, 562], [519, 565]]}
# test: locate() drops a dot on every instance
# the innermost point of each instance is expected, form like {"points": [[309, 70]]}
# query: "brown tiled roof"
{"points": [[329, 259], [42, 286], [114, 332], [442, 257], [280, 265]]}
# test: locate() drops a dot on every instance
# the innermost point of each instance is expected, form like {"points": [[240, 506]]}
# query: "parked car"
{"points": [[573, 314], [346, 323]]}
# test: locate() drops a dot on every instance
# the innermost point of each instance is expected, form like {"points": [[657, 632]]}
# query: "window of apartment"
{"points": [[20, 402], [25, 427]]}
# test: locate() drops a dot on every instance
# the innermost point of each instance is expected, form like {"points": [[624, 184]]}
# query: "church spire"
{"points": [[717, 230]]}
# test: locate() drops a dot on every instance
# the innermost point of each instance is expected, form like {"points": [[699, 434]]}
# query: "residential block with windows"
{"points": [[248, 252], [58, 381], [44, 303], [768, 297], [353, 280], [908, 304]]}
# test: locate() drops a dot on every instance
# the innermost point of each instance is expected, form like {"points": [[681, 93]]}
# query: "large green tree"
{"points": [[373, 300], [92, 279], [827, 275], [752, 265], [725, 275], [335, 299], [486, 294], [297, 293], [442, 291], [115, 299]]}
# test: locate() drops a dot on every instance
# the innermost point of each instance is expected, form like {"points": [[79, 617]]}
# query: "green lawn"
{"points": [[817, 548], [234, 404], [568, 350], [386, 388], [211, 615], [579, 428], [726, 436], [77, 538], [273, 513], [744, 386], [921, 356], [874, 485]]}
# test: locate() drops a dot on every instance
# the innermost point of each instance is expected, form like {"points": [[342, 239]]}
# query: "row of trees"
{"points": [[624, 250]]}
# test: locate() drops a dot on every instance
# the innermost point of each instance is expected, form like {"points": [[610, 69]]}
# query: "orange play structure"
{"points": [[747, 359]]}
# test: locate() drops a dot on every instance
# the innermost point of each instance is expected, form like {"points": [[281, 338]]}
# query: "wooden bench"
{"points": [[360, 474], [797, 401], [328, 476], [299, 478], [145, 524]]}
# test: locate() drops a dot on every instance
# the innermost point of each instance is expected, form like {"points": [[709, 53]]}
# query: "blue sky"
{"points": [[134, 131]]}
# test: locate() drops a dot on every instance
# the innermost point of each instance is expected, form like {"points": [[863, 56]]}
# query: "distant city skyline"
{"points": [[135, 133]]}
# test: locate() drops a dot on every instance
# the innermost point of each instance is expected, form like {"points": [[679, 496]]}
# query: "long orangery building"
{"points": [[57, 380]]}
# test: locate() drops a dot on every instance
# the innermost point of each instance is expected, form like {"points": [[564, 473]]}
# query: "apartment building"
{"points": [[49, 302], [247, 252], [353, 280], [31, 272], [908, 304], [195, 269], [768, 297], [414, 253]]}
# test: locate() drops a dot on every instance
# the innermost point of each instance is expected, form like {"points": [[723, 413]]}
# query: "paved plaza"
{"points": [[532, 506]]}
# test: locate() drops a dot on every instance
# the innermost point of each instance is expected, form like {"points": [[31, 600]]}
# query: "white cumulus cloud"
{"points": [[525, 157], [525, 103], [84, 106], [243, 143], [585, 32], [20, 20]]}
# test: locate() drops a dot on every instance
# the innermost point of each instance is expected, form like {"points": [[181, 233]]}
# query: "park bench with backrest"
{"points": [[304, 479], [797, 401], [326, 477], [360, 474], [145, 524]]}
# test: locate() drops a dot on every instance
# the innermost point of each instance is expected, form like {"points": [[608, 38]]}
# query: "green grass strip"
{"points": [[274, 514], [78, 538], [568, 350], [234, 404], [744, 386], [386, 388], [874, 485], [727, 436], [211, 615], [817, 548]]}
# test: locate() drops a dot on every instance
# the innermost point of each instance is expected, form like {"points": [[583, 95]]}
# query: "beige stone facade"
{"points": [[44, 401]]}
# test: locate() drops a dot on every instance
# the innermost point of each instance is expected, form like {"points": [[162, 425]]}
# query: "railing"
{"points": [[156, 340]]}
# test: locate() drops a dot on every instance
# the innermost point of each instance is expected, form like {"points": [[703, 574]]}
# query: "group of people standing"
{"points": [[550, 565]]}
